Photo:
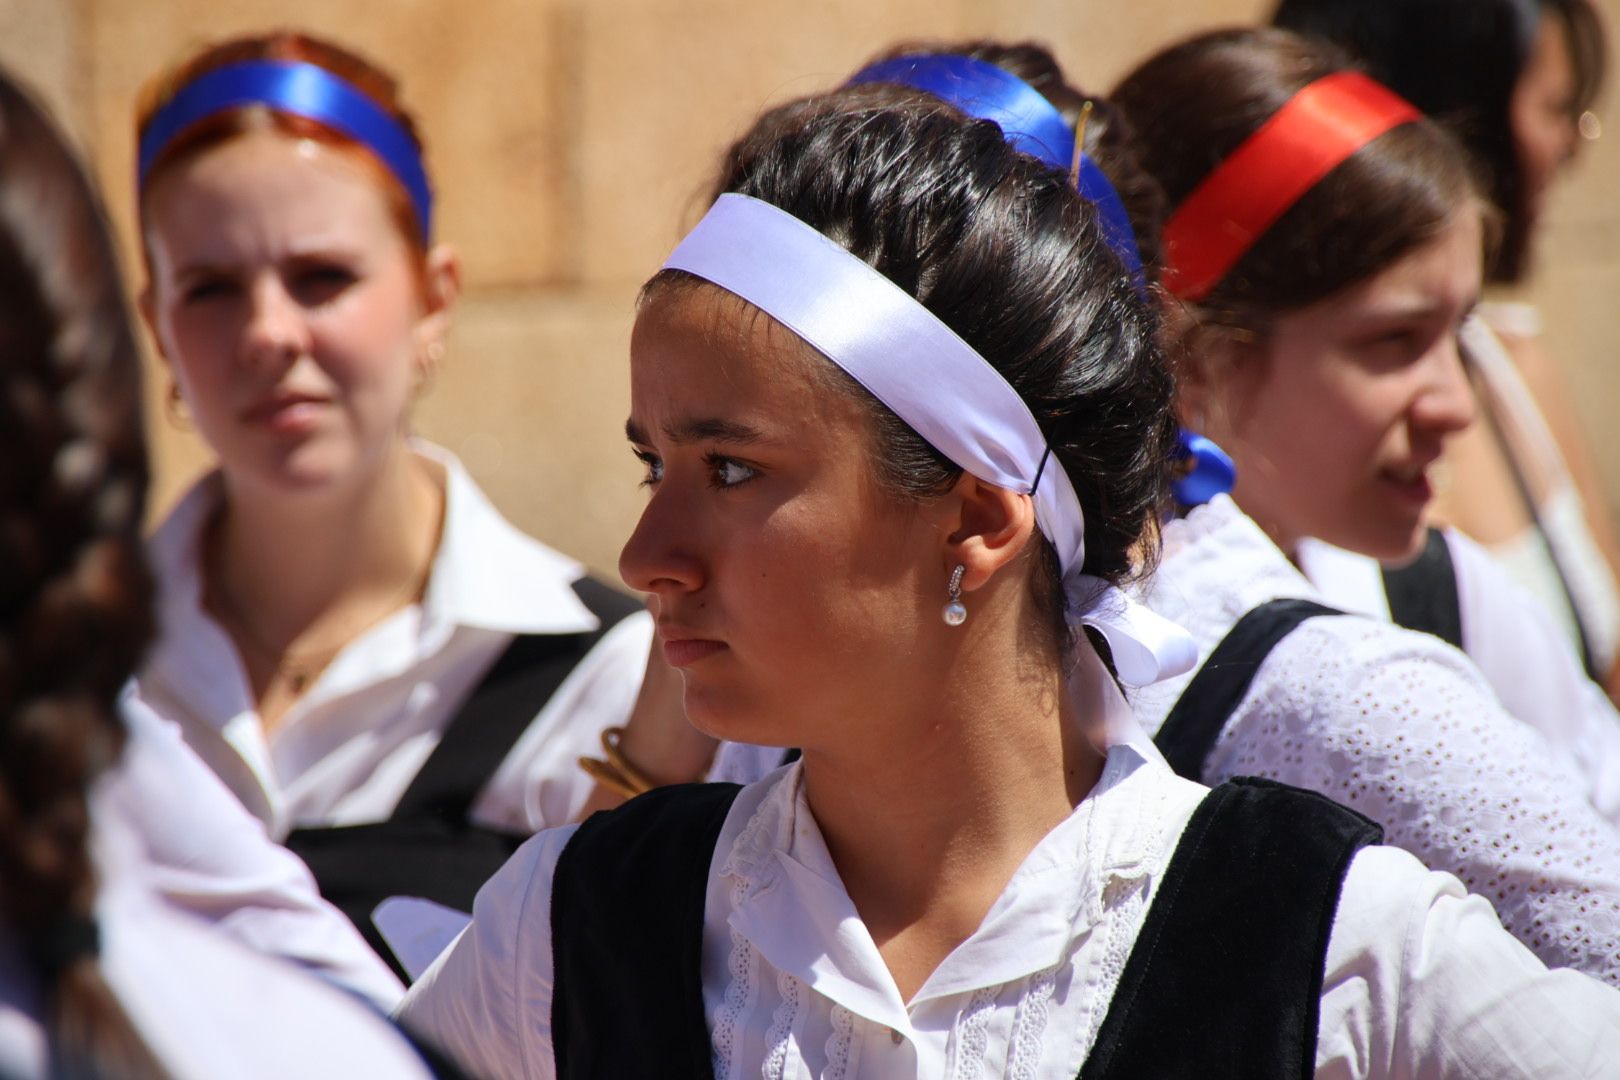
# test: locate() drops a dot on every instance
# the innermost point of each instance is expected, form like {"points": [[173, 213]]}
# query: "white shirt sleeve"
{"points": [[1530, 665], [1401, 727], [1421, 981], [204, 853], [487, 1000]]}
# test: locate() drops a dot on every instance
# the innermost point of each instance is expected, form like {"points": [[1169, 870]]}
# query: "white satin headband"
{"points": [[903, 354]]}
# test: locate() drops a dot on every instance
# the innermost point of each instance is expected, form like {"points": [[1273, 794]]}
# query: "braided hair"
{"points": [[75, 592]]}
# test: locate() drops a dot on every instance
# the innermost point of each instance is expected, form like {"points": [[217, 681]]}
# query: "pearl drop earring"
{"points": [[955, 611]]}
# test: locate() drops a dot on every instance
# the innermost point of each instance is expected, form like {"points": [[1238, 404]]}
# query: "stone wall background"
{"points": [[569, 140]]}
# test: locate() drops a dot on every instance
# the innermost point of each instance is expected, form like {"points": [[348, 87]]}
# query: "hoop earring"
{"points": [[428, 369], [955, 613], [174, 408]]}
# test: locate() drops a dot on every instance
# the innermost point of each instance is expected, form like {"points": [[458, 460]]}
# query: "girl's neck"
{"points": [[927, 829], [282, 560]]}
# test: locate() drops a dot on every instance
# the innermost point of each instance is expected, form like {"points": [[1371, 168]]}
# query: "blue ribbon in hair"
{"points": [[1203, 470], [1031, 124], [299, 89]]}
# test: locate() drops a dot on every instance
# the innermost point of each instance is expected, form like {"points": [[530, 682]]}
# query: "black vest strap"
{"points": [[1423, 594], [427, 847], [1226, 976], [1195, 722], [627, 902], [501, 707]]}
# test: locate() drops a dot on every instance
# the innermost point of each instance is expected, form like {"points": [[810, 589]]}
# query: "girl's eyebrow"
{"points": [[697, 430]]}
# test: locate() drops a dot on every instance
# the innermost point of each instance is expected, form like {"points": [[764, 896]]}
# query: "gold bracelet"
{"points": [[631, 775], [609, 777]]}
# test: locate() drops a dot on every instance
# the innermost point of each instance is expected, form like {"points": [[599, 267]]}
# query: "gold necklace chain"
{"points": [[298, 672]]}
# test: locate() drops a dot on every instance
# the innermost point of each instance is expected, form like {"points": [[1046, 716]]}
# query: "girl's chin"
{"points": [[305, 469]]}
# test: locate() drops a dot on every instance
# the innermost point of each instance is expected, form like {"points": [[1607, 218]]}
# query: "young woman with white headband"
{"points": [[905, 427], [1545, 899]]}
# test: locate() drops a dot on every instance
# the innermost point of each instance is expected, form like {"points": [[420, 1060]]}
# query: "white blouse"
{"points": [[207, 1007], [1402, 727], [347, 751], [1511, 637], [1420, 978], [205, 854]]}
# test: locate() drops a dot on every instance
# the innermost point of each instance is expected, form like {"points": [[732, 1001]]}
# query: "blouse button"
{"points": [[895, 1036]]}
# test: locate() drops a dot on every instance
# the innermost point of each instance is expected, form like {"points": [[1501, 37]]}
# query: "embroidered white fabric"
{"points": [[1420, 979], [1512, 639], [1403, 728]]}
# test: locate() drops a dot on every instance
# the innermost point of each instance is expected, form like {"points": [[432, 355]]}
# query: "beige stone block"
{"points": [[666, 87], [1098, 43], [485, 90], [40, 45], [533, 396]]}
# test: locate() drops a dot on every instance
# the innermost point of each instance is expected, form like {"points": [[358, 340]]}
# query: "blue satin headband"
{"points": [[1030, 122], [298, 89]]}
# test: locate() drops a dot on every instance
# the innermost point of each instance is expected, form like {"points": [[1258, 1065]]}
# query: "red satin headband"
{"points": [[1272, 169]]}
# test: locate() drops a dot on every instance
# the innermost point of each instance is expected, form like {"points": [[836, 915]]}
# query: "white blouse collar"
{"points": [[1218, 561], [793, 908], [489, 574], [1347, 580], [486, 574]]}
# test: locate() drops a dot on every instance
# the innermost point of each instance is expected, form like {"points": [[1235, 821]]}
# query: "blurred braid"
{"points": [[75, 593]]}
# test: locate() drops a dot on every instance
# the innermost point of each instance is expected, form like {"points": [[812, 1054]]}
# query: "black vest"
{"points": [[428, 847], [1188, 734], [1422, 594], [1225, 979]]}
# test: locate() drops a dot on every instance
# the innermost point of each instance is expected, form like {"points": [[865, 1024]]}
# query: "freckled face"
{"points": [[791, 593], [1335, 425], [289, 307]]}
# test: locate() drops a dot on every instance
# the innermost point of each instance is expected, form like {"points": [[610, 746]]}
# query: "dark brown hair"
{"points": [[75, 592], [1459, 61], [1107, 137], [1007, 254], [365, 76], [1192, 104]]}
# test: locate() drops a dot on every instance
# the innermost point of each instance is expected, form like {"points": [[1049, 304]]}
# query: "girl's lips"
{"points": [[286, 415], [1411, 486], [684, 652]]}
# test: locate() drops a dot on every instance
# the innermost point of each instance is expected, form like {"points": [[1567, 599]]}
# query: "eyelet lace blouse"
{"points": [[1403, 728]]}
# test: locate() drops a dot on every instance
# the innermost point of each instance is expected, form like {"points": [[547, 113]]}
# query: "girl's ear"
{"points": [[441, 288], [985, 527], [1212, 364]]}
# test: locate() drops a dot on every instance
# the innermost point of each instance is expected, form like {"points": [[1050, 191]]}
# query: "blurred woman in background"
{"points": [[1516, 80], [99, 977], [390, 675]]}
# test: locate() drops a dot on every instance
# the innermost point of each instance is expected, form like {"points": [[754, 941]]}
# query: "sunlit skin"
{"points": [[1337, 414], [801, 605], [779, 571], [290, 309]]}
